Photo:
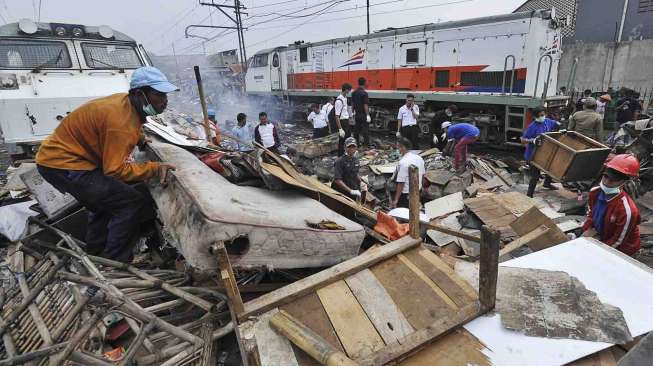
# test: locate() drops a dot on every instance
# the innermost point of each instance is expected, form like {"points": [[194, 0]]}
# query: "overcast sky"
{"points": [[160, 24]]}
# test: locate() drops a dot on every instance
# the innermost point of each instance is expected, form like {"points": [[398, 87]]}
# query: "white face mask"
{"points": [[540, 119], [609, 190], [448, 113]]}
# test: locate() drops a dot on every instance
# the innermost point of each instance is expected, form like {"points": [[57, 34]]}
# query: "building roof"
{"points": [[563, 9]]}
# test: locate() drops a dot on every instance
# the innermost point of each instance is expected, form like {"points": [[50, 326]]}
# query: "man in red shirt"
{"points": [[612, 215]]}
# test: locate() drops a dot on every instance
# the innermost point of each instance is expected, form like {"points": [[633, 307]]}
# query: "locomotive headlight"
{"points": [[78, 32], [60, 31], [8, 81]]}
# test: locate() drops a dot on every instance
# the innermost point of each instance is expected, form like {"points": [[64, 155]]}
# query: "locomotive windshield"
{"points": [[19, 54], [108, 56]]}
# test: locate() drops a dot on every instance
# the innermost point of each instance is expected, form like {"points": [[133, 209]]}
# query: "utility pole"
{"points": [[237, 7], [368, 16]]}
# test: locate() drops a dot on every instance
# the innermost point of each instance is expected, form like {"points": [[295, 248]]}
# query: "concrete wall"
{"points": [[606, 64]]}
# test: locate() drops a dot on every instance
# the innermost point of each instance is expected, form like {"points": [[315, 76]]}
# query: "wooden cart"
{"points": [[569, 156]]}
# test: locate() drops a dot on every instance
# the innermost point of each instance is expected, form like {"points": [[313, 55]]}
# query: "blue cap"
{"points": [[152, 77], [210, 112]]}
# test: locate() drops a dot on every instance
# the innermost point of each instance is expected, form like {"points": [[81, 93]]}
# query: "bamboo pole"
{"points": [[308, 341], [26, 357], [205, 112], [136, 344], [34, 311], [414, 204], [7, 340], [79, 336]]}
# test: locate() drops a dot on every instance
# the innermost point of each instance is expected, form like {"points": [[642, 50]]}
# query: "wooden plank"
{"points": [[441, 265], [379, 307], [302, 287], [273, 348], [449, 286], [488, 267], [228, 279], [533, 219], [423, 337], [309, 311], [434, 286], [457, 348], [452, 232], [524, 240], [355, 331], [414, 203], [444, 205], [416, 299], [492, 214]]}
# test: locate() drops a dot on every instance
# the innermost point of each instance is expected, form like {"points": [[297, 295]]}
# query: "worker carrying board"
{"points": [[612, 215], [89, 156]]}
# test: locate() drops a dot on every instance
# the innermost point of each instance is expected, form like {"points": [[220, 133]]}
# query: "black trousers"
{"points": [[412, 134], [320, 132], [535, 177], [362, 128], [403, 201], [344, 123], [116, 208]]}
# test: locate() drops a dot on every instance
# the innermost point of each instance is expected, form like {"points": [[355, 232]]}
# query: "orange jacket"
{"points": [[100, 134]]}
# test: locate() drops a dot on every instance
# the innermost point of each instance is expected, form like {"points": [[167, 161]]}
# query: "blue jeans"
{"points": [[115, 208]]}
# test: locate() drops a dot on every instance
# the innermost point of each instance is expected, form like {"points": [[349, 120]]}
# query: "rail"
{"points": [[512, 74], [548, 76]]}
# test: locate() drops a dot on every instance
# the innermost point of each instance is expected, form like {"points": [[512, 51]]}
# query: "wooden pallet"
{"points": [[385, 306]]}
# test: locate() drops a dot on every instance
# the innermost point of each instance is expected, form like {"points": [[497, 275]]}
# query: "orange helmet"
{"points": [[624, 163]]}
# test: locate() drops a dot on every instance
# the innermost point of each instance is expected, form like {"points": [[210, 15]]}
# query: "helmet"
{"points": [[350, 141], [624, 163], [606, 97], [445, 124], [210, 112]]}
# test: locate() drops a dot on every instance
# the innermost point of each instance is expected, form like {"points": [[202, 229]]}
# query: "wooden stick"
{"points": [[307, 340], [34, 311], [523, 240], [328, 276], [228, 279], [205, 112], [26, 357], [453, 232], [79, 336], [136, 344], [488, 267], [86, 359], [414, 204], [417, 340]]}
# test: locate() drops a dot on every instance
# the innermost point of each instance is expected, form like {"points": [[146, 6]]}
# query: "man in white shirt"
{"points": [[243, 133], [342, 117], [326, 109], [266, 134], [408, 158], [407, 121], [318, 119]]}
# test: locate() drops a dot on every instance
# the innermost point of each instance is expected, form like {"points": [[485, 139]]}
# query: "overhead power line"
{"points": [[273, 4]]}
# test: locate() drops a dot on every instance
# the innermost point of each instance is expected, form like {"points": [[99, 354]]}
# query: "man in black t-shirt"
{"points": [[360, 103], [628, 108], [346, 179]]}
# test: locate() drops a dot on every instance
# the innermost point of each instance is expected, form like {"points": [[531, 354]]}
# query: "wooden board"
{"points": [[492, 214], [416, 299], [308, 310], [379, 307], [273, 348], [533, 219], [356, 332], [444, 205], [458, 348]]}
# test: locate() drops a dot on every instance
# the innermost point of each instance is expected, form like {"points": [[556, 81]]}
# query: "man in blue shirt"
{"points": [[460, 136], [243, 133], [540, 125]]}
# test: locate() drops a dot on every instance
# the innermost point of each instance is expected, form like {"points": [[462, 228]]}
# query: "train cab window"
{"points": [[275, 60], [16, 54], [412, 56], [303, 54], [260, 60], [442, 79], [109, 56]]}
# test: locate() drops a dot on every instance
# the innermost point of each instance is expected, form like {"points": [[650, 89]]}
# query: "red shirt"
{"points": [[620, 223]]}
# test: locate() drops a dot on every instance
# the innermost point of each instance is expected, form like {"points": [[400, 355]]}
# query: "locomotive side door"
{"points": [[275, 71]]}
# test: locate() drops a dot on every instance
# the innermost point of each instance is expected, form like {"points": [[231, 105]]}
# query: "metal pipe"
{"points": [[623, 20], [512, 73]]}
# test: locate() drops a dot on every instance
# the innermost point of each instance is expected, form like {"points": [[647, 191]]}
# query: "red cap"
{"points": [[624, 163]]}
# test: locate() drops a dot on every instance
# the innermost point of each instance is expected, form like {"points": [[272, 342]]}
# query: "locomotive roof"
{"points": [[11, 30], [427, 27]]}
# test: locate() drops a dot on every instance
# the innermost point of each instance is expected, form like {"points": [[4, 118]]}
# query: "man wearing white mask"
{"points": [[540, 125], [407, 121]]}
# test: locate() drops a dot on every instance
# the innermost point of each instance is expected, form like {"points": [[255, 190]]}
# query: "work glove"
{"points": [[355, 192], [369, 119], [341, 132], [443, 136], [363, 187], [435, 140], [398, 134], [563, 131]]}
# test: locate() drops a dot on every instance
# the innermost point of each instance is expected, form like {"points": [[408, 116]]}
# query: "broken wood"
{"points": [[524, 240], [488, 267], [452, 232], [79, 336], [228, 278], [205, 113], [413, 202], [308, 341], [534, 218], [136, 344], [338, 272]]}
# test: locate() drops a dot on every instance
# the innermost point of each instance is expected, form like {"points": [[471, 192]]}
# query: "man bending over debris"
{"points": [[88, 156], [460, 136], [346, 179], [266, 134], [540, 125], [612, 216], [408, 158]]}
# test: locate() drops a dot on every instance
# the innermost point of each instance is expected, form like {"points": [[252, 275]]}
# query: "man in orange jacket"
{"points": [[612, 216], [89, 156]]}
